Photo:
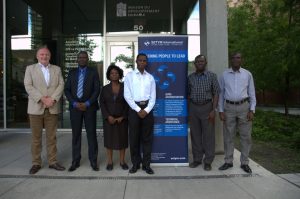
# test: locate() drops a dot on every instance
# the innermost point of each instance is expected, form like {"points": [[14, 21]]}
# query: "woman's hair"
{"points": [[114, 67]]}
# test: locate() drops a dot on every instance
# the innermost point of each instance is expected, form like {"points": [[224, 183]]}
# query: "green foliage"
{"points": [[271, 126], [128, 60], [267, 32]]}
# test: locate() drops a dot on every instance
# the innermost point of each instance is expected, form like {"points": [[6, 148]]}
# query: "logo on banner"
{"points": [[121, 9], [147, 43], [163, 43], [164, 78]]}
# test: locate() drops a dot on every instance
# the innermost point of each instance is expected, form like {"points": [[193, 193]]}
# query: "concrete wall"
{"points": [[214, 44]]}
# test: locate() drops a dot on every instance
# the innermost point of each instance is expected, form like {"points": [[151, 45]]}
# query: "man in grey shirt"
{"points": [[236, 108]]}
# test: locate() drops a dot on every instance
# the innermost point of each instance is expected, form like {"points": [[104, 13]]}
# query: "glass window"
{"points": [[19, 55], [66, 27], [82, 17], [135, 15], [92, 43], [187, 22]]}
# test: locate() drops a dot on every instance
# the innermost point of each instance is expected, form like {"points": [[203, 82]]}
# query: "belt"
{"points": [[201, 103], [142, 103], [238, 102]]}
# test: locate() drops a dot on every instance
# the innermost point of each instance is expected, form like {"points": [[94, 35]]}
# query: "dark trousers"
{"points": [[202, 133], [140, 133], [89, 118]]}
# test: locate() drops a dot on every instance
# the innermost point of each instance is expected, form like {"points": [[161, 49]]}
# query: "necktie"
{"points": [[80, 85]]}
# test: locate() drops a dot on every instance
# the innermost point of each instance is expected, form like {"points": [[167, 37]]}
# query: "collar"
{"points": [[203, 73], [82, 69], [44, 66], [230, 70], [136, 71]]}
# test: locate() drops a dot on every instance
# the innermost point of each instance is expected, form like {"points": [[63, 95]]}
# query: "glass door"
{"points": [[120, 50]]}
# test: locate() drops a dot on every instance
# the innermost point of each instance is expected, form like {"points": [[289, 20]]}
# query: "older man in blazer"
{"points": [[82, 90], [44, 84]]}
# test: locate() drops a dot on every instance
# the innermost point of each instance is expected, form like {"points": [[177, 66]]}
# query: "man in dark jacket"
{"points": [[82, 90]]}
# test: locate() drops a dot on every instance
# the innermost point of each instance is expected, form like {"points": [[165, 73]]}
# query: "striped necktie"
{"points": [[80, 85]]}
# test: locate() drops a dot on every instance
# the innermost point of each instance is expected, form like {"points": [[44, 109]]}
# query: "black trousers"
{"points": [[140, 133], [89, 118]]}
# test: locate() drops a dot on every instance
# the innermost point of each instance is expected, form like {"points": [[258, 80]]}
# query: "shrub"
{"points": [[272, 126]]}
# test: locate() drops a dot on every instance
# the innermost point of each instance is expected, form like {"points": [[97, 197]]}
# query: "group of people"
{"points": [[233, 96], [123, 105], [129, 106]]}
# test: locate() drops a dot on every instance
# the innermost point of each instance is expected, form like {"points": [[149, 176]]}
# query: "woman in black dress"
{"points": [[114, 111]]}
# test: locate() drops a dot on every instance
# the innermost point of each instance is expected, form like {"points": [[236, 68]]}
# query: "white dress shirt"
{"points": [[236, 86], [139, 87], [46, 73]]}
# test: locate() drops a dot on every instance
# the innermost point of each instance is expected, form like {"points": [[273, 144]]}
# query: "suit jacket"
{"points": [[111, 107], [91, 88], [36, 87]]}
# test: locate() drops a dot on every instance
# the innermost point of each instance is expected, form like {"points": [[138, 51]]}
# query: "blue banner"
{"points": [[167, 62]]}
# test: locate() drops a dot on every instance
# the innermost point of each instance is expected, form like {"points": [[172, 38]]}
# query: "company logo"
{"points": [[147, 43], [121, 10], [164, 43]]}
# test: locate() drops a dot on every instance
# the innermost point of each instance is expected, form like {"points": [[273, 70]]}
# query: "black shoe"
{"points": [[134, 168], [94, 166], [207, 167], [148, 170], [194, 164], [73, 167], [34, 169], [226, 166], [109, 167], [246, 168], [124, 166]]}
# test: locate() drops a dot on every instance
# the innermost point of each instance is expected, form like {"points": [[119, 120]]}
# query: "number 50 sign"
{"points": [[138, 27]]}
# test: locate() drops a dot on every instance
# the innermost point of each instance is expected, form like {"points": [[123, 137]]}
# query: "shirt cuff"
{"points": [[74, 104], [137, 109], [221, 109], [87, 103], [147, 109], [253, 110]]}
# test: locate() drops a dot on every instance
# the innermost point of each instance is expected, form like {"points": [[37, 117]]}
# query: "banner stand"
{"points": [[168, 62], [170, 164]]}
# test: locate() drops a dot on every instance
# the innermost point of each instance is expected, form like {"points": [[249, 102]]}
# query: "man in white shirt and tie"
{"points": [[236, 108], [140, 94]]}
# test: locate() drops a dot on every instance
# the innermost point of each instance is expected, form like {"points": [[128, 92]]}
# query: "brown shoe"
{"points": [[57, 167], [34, 169]]}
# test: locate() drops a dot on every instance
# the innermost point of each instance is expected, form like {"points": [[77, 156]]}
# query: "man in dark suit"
{"points": [[82, 90]]}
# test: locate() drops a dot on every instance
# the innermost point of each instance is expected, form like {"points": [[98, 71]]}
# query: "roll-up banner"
{"points": [[168, 62]]}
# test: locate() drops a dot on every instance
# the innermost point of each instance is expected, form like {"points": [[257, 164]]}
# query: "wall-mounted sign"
{"points": [[135, 15]]}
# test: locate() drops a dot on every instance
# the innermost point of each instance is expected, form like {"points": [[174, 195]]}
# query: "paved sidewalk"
{"points": [[293, 178], [167, 183]]}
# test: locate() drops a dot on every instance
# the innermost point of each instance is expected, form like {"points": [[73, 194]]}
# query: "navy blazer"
{"points": [[91, 88]]}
